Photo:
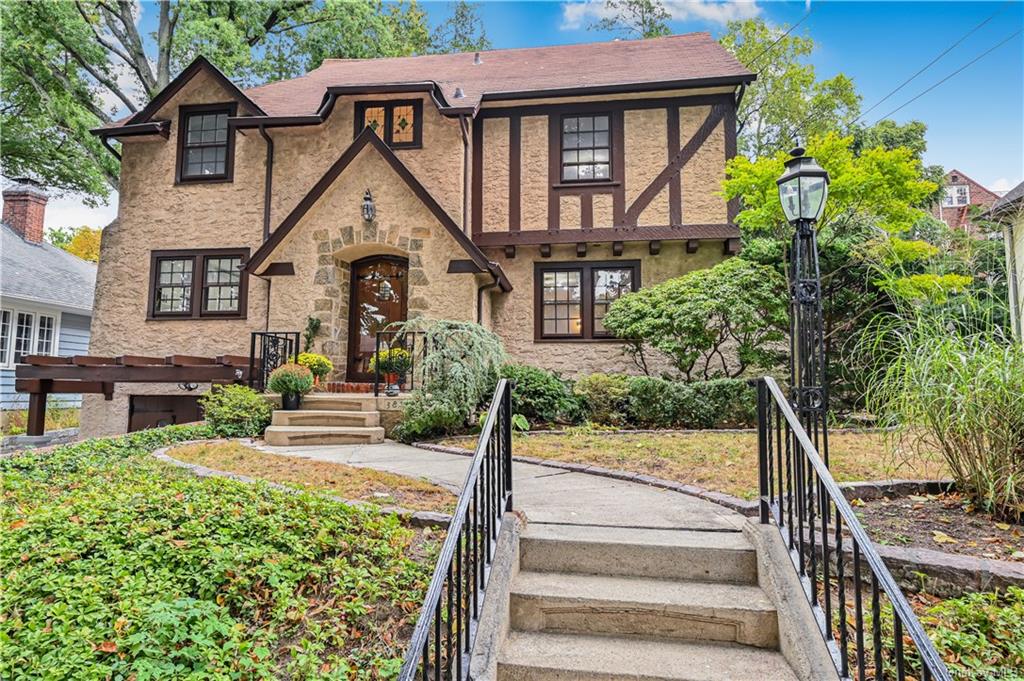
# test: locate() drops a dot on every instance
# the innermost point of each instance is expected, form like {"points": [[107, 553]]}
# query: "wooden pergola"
{"points": [[42, 375]]}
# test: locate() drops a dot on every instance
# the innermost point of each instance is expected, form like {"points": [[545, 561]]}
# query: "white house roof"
{"points": [[43, 273]]}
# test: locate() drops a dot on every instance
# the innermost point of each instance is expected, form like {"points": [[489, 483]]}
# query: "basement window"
{"points": [[203, 284], [398, 123], [206, 147]]}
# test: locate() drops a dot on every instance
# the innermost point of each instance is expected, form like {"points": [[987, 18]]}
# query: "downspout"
{"points": [[464, 129], [480, 299], [268, 184]]}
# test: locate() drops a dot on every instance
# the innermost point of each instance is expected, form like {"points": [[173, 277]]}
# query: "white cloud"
{"points": [[576, 15], [1003, 185]]}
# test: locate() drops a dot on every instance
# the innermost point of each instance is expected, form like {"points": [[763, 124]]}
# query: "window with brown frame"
{"points": [[399, 123], [572, 298], [203, 284], [586, 148], [206, 147]]}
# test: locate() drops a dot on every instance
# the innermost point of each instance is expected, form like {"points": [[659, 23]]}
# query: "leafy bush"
{"points": [[291, 379], [710, 323], [318, 365], [604, 397], [235, 411], [948, 388], [658, 403], [459, 375], [540, 395], [652, 402], [731, 402]]}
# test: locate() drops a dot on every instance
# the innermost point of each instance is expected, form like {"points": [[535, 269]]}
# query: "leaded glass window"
{"points": [[174, 285], [399, 123], [205, 145], [374, 119], [586, 148], [222, 280]]}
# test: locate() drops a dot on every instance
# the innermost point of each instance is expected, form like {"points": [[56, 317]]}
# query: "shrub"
{"points": [[291, 379], [652, 402], [658, 403], [540, 395], [737, 308], [731, 402], [318, 365], [459, 375], [604, 397], [235, 411]]}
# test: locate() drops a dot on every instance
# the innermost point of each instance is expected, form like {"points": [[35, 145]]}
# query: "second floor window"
{"points": [[957, 195], [399, 124], [206, 146], [586, 148], [198, 284]]}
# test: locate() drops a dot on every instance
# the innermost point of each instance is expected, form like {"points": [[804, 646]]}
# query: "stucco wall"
{"points": [[495, 174], [534, 172], [702, 177], [513, 314]]}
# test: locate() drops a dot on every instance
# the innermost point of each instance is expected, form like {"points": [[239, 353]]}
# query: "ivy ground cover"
{"points": [[116, 566]]}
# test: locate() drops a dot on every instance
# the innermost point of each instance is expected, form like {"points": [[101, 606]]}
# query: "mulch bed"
{"points": [[941, 522]]}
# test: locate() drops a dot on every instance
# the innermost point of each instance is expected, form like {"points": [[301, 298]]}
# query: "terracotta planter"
{"points": [[392, 388]]}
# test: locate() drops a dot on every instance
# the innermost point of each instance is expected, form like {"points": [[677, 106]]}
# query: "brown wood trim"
{"points": [[188, 361], [715, 232], [279, 269], [161, 128], [692, 245], [389, 113], [587, 211], [233, 360], [47, 385], [199, 64], [581, 249], [601, 106], [676, 164], [731, 246], [587, 187], [45, 360], [733, 205], [478, 178], [366, 137], [229, 155], [91, 361], [198, 257], [554, 171], [463, 267], [617, 247], [139, 361], [510, 252], [515, 184], [619, 167], [675, 200], [545, 250], [123, 374], [586, 269], [654, 248]]}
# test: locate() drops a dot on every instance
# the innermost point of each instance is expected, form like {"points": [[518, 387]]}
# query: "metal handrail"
{"points": [[789, 487], [267, 351], [413, 342], [442, 640]]}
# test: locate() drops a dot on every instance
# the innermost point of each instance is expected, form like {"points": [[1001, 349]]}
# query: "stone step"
{"points": [[655, 608], [293, 436], [683, 555], [339, 402], [534, 656], [325, 417]]}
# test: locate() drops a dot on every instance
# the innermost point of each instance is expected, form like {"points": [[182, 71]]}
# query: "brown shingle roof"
{"points": [[689, 59]]}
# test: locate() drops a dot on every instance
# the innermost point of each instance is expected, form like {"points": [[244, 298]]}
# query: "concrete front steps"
{"points": [[327, 419], [613, 604]]}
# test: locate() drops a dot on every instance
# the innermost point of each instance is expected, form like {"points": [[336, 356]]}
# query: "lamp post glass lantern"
{"points": [[803, 189]]}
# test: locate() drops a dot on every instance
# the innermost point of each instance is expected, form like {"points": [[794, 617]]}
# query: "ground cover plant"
{"points": [[348, 482], [721, 461], [116, 565], [15, 421]]}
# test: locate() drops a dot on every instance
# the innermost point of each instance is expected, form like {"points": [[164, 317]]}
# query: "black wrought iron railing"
{"points": [[443, 638], [834, 556], [412, 342], [267, 351]]}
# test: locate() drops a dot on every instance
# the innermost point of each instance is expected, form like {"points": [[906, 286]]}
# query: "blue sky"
{"points": [[975, 119]]}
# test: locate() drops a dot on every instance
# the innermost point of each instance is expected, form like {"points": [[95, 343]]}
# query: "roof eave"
{"points": [[621, 88]]}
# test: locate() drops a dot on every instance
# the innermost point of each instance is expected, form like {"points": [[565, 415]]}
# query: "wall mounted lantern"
{"points": [[369, 210]]}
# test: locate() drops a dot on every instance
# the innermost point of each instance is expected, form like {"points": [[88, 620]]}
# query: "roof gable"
{"points": [[368, 138]]}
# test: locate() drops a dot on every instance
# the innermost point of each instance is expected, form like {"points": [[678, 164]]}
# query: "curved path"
{"points": [[545, 495]]}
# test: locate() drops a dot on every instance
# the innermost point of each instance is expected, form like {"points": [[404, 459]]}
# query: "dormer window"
{"points": [[206, 147], [399, 124]]}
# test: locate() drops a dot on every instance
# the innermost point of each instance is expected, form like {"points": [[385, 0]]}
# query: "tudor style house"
{"points": [[524, 189]]}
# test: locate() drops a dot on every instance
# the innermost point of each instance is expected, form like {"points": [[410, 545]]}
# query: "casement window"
{"points": [[399, 124], [24, 333], [201, 284], [206, 146], [586, 148], [956, 195], [572, 299]]}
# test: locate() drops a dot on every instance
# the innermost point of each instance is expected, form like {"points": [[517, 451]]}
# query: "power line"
{"points": [[976, 59], [778, 40], [931, 63]]}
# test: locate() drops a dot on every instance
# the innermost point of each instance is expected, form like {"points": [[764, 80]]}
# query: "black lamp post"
{"points": [[803, 188]]}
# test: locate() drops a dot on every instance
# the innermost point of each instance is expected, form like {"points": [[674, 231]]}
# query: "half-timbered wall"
{"points": [[667, 165]]}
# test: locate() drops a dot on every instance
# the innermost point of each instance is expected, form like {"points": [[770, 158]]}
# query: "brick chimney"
{"points": [[25, 208]]}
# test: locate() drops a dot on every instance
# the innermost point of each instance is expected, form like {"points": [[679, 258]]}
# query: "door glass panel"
{"points": [[379, 290]]}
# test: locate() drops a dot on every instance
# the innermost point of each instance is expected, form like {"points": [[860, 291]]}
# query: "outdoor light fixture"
{"points": [[803, 187], [369, 210]]}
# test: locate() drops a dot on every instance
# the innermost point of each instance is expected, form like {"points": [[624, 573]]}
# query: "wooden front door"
{"points": [[379, 291]]}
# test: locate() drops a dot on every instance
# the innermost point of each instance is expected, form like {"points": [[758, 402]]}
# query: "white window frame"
{"points": [[949, 200], [7, 361]]}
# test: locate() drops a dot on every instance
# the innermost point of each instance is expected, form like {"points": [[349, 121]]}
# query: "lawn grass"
{"points": [[118, 566], [15, 421], [717, 460], [347, 482]]}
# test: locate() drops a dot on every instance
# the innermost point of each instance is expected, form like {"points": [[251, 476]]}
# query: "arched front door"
{"points": [[379, 297]]}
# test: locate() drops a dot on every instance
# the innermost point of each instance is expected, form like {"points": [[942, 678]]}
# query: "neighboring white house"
{"points": [[1009, 211], [45, 293]]}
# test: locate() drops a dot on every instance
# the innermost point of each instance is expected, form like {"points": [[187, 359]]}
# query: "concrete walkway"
{"points": [[545, 495]]}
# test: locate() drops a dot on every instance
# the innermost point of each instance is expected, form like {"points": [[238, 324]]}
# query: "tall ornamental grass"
{"points": [[946, 386]]}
